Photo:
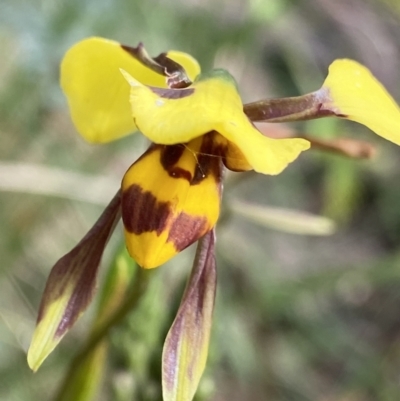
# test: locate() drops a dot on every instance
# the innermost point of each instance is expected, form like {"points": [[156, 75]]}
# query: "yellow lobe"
{"points": [[211, 104], [164, 207], [149, 249], [232, 156], [359, 96], [97, 94]]}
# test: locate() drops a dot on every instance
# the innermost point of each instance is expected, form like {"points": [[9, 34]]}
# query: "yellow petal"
{"points": [[170, 198], [210, 104], [97, 94], [357, 95]]}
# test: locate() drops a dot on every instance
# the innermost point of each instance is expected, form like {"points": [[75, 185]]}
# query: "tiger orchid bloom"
{"points": [[170, 197]]}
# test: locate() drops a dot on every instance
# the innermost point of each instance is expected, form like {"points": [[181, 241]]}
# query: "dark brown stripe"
{"points": [[142, 212], [172, 93], [186, 229], [178, 172], [208, 160], [170, 156]]}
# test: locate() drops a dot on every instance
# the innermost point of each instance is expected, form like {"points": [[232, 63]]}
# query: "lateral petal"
{"points": [[70, 286], [97, 94], [352, 92]]}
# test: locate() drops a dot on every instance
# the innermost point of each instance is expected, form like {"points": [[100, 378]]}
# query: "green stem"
{"points": [[139, 286]]}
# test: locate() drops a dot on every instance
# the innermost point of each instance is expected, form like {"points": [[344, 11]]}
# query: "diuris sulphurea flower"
{"points": [[170, 197]]}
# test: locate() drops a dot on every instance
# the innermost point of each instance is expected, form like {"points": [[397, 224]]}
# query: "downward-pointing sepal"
{"points": [[186, 347], [70, 286]]}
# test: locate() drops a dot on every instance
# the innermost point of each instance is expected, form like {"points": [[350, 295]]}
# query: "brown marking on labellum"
{"points": [[170, 156], [208, 161], [142, 212], [172, 93], [186, 229], [178, 172]]}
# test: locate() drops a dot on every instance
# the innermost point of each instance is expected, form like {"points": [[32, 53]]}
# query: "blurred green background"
{"points": [[297, 317]]}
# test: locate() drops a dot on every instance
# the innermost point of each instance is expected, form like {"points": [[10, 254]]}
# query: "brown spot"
{"points": [[172, 93], [208, 160], [170, 156], [142, 212], [186, 229]]}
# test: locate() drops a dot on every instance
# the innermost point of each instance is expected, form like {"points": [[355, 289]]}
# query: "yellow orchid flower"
{"points": [[170, 197]]}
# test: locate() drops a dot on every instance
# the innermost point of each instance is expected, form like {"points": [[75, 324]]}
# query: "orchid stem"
{"points": [[139, 286]]}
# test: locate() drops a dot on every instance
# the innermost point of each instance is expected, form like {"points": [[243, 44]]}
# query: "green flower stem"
{"points": [[139, 286]]}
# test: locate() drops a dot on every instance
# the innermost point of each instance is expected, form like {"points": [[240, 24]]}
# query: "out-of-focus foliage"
{"points": [[297, 317]]}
